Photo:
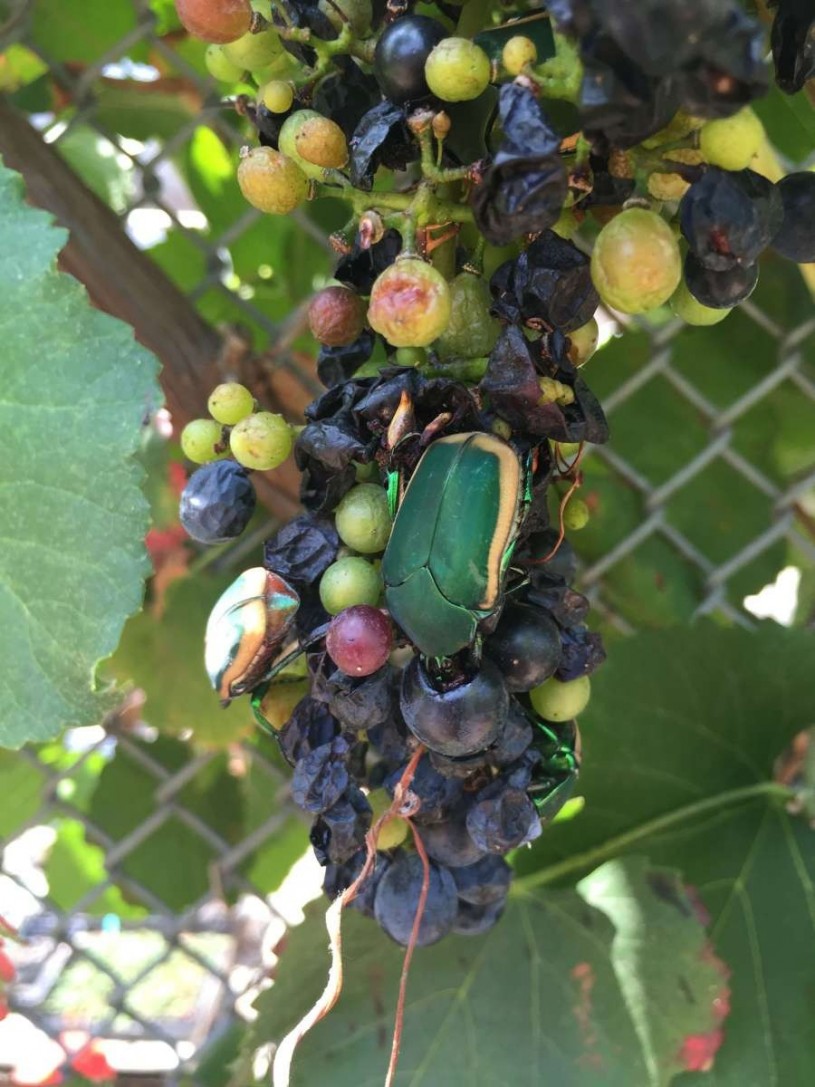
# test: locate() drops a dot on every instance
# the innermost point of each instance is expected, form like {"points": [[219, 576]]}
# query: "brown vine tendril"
{"points": [[571, 470], [403, 806]]}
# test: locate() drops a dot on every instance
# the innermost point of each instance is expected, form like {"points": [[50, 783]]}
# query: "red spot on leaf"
{"points": [[3, 1008], [699, 1050], [585, 978], [698, 906]]}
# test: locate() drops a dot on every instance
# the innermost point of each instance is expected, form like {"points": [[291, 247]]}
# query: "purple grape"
{"points": [[525, 646], [484, 882], [217, 503], [729, 217], [795, 239], [459, 721], [339, 833], [449, 843], [397, 900], [719, 290], [476, 920], [502, 818], [359, 640], [321, 777]]}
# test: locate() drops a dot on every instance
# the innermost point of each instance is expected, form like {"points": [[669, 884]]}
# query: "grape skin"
{"points": [[261, 441]]}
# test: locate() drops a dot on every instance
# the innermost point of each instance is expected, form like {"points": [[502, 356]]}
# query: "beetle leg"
{"points": [[434, 426], [403, 421], [523, 580]]}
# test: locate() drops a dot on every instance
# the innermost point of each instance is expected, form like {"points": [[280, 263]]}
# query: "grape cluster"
{"points": [[218, 502], [484, 232]]}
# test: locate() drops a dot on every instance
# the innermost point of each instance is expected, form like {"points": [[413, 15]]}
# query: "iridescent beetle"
{"points": [[555, 776], [452, 540], [246, 630]]}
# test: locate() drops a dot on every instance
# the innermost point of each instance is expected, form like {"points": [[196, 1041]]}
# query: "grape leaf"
{"points": [[679, 742], [72, 562], [21, 785], [80, 32], [555, 993], [173, 862]]}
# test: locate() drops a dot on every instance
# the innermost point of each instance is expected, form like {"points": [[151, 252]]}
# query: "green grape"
{"points": [[517, 53], [261, 441], [219, 65], [253, 51], [576, 515], [277, 96], [283, 66], [271, 182], [410, 303], [583, 342], [350, 581], [556, 701], [566, 450], [692, 312], [230, 402], [471, 332], [396, 829], [314, 142], [366, 473], [457, 70], [410, 356], [732, 142], [363, 518], [198, 441], [635, 264], [357, 13]]}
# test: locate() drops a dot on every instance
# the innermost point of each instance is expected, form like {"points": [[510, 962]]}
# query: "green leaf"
{"points": [[75, 867], [136, 111], [681, 717], [679, 742], [164, 655], [80, 32], [173, 862], [75, 390], [790, 123], [104, 169], [21, 789], [19, 67], [570, 988]]}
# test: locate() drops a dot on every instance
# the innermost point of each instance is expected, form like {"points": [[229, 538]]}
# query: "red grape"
{"points": [[359, 640], [218, 21]]}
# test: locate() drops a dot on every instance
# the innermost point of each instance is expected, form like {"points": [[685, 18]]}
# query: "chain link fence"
{"points": [[165, 987]]}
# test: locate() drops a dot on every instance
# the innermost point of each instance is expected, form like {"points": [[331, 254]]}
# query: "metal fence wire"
{"points": [[168, 985]]}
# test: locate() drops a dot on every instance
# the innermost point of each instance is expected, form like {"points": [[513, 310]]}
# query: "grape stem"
{"points": [[423, 205], [561, 75], [590, 858]]}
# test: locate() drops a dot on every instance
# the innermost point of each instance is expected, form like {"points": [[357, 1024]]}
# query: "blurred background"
{"points": [[153, 863]]}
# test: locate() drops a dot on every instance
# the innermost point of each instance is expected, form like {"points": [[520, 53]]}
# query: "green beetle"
{"points": [[452, 540], [555, 776], [246, 630]]}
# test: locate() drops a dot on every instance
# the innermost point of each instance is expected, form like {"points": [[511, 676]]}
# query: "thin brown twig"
{"points": [[399, 1020]]}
